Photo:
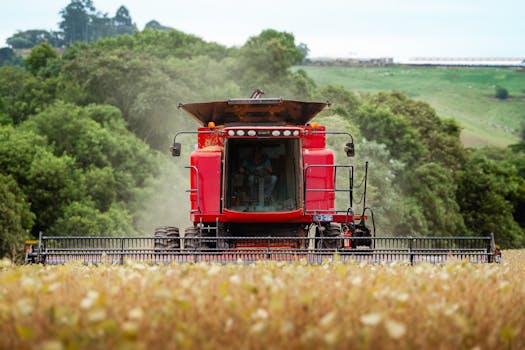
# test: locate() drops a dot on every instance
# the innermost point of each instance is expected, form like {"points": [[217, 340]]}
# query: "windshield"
{"points": [[262, 175]]}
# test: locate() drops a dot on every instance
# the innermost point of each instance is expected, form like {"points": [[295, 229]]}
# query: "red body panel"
{"points": [[313, 140], [320, 179], [280, 217], [270, 217], [206, 139], [205, 180]]}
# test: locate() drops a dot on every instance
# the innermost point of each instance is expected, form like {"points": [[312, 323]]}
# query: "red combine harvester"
{"points": [[263, 186], [262, 171]]}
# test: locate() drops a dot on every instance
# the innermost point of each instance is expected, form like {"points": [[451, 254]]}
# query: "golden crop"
{"points": [[266, 305]]}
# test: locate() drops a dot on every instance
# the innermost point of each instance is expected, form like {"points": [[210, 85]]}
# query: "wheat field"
{"points": [[264, 306]]}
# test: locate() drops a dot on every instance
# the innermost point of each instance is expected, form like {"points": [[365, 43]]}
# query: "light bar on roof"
{"points": [[262, 132]]}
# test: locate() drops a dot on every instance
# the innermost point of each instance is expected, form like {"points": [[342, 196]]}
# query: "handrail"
{"points": [[196, 133], [334, 189], [315, 131], [193, 190]]}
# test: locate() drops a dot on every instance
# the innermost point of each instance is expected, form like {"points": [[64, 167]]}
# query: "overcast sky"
{"points": [[337, 28]]}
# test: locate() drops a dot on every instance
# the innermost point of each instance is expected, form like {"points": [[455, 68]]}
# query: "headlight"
{"points": [[240, 132], [251, 133], [287, 132], [231, 133], [276, 133], [296, 133]]}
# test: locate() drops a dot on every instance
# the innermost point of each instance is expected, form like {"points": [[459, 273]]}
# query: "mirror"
{"points": [[175, 149], [349, 149]]}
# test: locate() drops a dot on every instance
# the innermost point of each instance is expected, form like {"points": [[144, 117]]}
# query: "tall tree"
{"points": [[100, 27], [76, 20], [122, 22], [271, 52]]}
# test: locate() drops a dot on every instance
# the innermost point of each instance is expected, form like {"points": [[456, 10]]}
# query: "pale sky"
{"points": [[336, 28]]}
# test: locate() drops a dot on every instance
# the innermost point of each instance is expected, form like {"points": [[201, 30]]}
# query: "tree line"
{"points": [[80, 21], [83, 138]]}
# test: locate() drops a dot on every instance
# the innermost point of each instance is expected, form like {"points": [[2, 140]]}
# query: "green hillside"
{"points": [[466, 94]]}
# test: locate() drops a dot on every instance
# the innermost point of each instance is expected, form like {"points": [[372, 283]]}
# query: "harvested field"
{"points": [[265, 305]]}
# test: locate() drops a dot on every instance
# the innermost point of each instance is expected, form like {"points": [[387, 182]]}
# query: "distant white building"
{"points": [[350, 62], [468, 61]]}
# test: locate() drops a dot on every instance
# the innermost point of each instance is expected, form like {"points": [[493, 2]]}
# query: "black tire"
{"points": [[364, 235], [166, 238], [191, 238], [331, 237]]}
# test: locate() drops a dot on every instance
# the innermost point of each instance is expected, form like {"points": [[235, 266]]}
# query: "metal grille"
{"points": [[118, 250]]}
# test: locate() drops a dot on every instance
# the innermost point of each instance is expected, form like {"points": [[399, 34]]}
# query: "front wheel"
{"points": [[166, 238], [329, 236], [191, 238]]}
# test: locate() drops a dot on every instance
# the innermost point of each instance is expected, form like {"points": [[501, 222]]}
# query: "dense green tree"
{"points": [[267, 57], [53, 183], [153, 24], [145, 89], [302, 87], [434, 190], [18, 149], [304, 50], [4, 118], [101, 187], [102, 26], [379, 123], [19, 42], [88, 157], [39, 57], [24, 94], [29, 38], [73, 133], [507, 167], [97, 136], [49, 182], [439, 137], [9, 58], [122, 22], [148, 89], [84, 219], [280, 51], [391, 213], [16, 219], [484, 192], [344, 102], [162, 45]]}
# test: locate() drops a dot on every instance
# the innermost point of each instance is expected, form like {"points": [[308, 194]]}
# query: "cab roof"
{"points": [[254, 111]]}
